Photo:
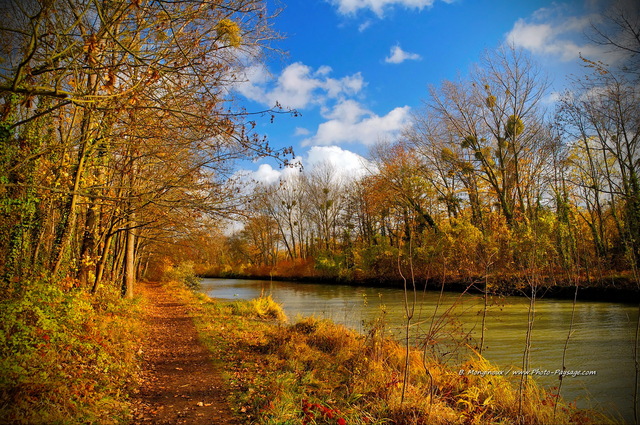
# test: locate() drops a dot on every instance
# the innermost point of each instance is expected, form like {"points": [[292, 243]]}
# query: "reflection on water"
{"points": [[601, 339]]}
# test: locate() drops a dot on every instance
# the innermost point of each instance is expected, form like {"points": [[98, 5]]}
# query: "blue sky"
{"points": [[357, 69]]}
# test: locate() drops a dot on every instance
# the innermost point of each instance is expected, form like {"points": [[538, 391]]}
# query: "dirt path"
{"points": [[180, 384]]}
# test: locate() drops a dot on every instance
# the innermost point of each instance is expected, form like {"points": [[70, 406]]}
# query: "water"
{"points": [[601, 340]]}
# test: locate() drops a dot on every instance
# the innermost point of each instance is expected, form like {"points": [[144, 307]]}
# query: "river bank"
{"points": [[620, 289], [601, 334], [316, 372]]}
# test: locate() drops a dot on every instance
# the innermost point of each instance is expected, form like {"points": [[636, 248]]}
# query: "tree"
{"points": [[601, 118], [496, 118], [401, 181], [619, 32], [323, 189], [83, 88], [444, 165]]}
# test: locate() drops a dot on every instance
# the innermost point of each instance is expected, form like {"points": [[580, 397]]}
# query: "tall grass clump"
{"points": [[267, 308], [264, 308], [67, 356]]}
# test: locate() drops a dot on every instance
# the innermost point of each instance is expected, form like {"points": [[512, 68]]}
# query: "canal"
{"points": [[601, 334]]}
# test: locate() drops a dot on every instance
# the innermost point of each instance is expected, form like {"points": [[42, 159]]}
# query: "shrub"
{"points": [[66, 357], [183, 273], [258, 308]]}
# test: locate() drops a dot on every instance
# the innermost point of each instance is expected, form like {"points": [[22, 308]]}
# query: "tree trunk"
{"points": [[88, 245], [102, 262], [69, 217], [130, 263]]}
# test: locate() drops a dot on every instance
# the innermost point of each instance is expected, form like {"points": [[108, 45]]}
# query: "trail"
{"points": [[180, 384]]}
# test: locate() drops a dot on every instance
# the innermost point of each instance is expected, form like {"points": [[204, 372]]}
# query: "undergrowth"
{"points": [[315, 372], [66, 356], [182, 273]]}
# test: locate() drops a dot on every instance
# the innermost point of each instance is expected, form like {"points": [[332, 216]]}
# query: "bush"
{"points": [[66, 357], [267, 308], [183, 273]]}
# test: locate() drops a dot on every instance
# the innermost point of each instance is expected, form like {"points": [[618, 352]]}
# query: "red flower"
{"points": [[341, 421]]}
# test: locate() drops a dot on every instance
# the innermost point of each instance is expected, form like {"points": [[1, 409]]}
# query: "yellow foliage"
{"points": [[491, 101], [230, 31], [514, 126], [267, 308]]}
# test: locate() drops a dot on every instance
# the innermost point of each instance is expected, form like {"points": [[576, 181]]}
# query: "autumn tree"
{"points": [[324, 194], [447, 166], [263, 227], [601, 121], [83, 87], [400, 180], [497, 120]]}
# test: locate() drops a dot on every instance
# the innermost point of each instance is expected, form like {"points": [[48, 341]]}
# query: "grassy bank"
{"points": [[316, 372], [66, 356]]}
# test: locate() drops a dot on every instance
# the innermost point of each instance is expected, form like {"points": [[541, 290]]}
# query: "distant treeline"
{"points": [[485, 185]]}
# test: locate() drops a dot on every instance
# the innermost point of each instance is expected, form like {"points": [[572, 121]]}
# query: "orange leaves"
{"points": [[109, 81], [152, 75], [92, 47]]}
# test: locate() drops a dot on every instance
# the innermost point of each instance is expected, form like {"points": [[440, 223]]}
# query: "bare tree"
{"points": [[496, 118]]}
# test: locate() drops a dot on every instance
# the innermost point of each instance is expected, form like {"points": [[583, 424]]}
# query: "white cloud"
{"points": [[298, 86], [349, 122], [552, 98], [363, 26], [324, 70], [397, 55], [553, 32], [350, 7], [345, 162], [301, 131], [345, 119], [252, 88], [295, 86], [266, 174]]}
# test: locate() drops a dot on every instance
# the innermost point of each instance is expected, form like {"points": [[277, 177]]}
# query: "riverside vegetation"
{"points": [[67, 357], [70, 358], [312, 371]]}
